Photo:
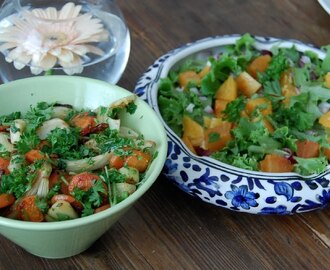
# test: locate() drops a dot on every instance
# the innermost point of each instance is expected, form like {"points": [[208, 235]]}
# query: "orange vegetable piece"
{"points": [[259, 64], [219, 106], [56, 177], [28, 210], [116, 161], [188, 143], [268, 125], [287, 86], [188, 76], [326, 151], [324, 120], [4, 163], [193, 130], [4, 128], [83, 181], [6, 199], [34, 155], [263, 103], [307, 149], [276, 164], [227, 90], [327, 80], [102, 208], [247, 84], [139, 160], [204, 71], [217, 137], [85, 121]]}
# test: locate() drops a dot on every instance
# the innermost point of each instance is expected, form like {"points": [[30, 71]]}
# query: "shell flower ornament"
{"points": [[44, 39]]}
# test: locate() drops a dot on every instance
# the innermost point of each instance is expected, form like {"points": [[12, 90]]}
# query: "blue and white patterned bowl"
{"points": [[216, 182]]}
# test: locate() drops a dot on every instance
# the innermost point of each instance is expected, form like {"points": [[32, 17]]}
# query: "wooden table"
{"points": [[168, 229]]}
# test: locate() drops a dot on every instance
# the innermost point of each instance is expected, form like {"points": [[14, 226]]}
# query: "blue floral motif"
{"points": [[170, 166], [308, 206], [283, 188], [208, 183], [241, 197], [325, 198], [279, 210], [140, 91]]}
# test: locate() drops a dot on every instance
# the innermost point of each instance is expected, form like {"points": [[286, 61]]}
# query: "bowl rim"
{"points": [[167, 61], [161, 157]]}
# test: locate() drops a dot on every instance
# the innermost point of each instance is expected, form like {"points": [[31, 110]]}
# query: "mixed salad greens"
{"points": [[59, 163], [261, 110]]}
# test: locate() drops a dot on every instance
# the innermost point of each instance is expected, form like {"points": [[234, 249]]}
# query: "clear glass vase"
{"points": [[79, 37]]}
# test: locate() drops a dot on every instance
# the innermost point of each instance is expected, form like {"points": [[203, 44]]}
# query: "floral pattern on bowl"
{"points": [[221, 184]]}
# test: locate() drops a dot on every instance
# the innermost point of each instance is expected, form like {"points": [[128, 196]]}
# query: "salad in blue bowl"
{"points": [[247, 120]]}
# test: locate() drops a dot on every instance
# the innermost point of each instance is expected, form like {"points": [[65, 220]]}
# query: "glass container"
{"points": [[88, 38]]}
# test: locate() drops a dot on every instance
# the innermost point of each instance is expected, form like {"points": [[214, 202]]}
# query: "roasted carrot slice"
{"points": [[85, 121], [34, 155], [6, 199], [28, 210], [116, 161], [102, 208], [4, 163], [138, 160], [83, 181]]}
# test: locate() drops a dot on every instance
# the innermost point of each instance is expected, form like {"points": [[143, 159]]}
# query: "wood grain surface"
{"points": [[168, 229]]}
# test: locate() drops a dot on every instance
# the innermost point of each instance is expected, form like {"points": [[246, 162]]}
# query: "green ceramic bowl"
{"points": [[67, 238]]}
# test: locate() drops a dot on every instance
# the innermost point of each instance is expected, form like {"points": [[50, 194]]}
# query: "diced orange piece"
{"points": [[204, 71], [207, 121], [287, 86], [327, 80], [324, 120], [276, 164], [263, 103], [193, 130], [217, 137], [247, 84], [227, 90], [268, 125], [188, 76], [259, 64], [219, 106], [188, 143], [215, 122], [307, 149], [326, 151], [286, 78], [288, 91]]}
